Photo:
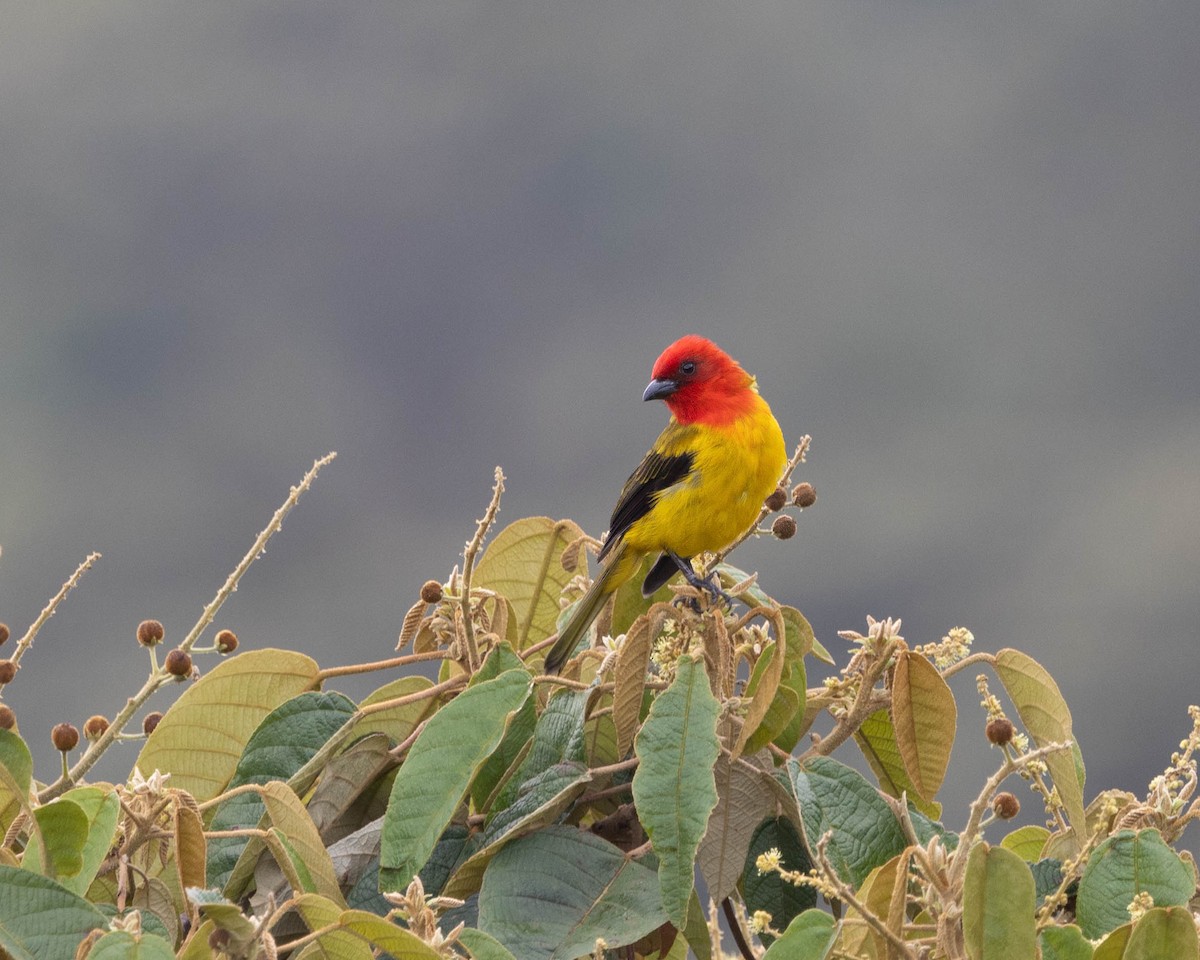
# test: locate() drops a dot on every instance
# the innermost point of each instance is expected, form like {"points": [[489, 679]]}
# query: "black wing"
{"points": [[654, 474]]}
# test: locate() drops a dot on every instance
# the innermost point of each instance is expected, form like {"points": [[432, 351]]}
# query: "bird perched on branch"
{"points": [[700, 486]]}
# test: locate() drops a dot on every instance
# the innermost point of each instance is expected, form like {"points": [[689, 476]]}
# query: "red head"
{"points": [[700, 382]]}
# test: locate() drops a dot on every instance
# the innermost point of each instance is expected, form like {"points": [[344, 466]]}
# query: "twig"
{"points": [[735, 927], [27, 641], [256, 550], [394, 662], [981, 803], [844, 892], [866, 702], [469, 565], [97, 747], [968, 662]]}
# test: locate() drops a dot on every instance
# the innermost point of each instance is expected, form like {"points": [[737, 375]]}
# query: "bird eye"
{"points": [[688, 367]]}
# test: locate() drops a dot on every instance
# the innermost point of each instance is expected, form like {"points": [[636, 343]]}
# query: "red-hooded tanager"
{"points": [[699, 488]]}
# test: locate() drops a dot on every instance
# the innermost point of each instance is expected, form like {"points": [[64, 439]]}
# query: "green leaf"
{"points": [[320, 913], [388, 937], [1123, 866], [200, 739], [344, 780], [517, 736], [834, 798], [1113, 946], [541, 801], [523, 564], [285, 740], [1045, 714], [102, 809], [795, 681], [1164, 932], [40, 919], [224, 915], [768, 891], [1065, 943], [1026, 842], [119, 945], [397, 722], [771, 706], [14, 793], [674, 788], [808, 937], [924, 716], [557, 738], [876, 738], [440, 766], [64, 830], [289, 817], [998, 906], [483, 947], [1047, 876], [550, 895]]}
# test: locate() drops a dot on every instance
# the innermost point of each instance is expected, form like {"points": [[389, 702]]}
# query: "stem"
{"points": [[898, 944], [866, 702], [968, 662], [102, 743], [614, 767], [48, 611], [469, 565], [356, 668], [980, 804], [739, 935]]}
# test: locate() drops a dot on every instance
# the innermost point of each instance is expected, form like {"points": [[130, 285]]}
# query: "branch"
{"points": [[473, 546], [48, 611], [160, 677]]}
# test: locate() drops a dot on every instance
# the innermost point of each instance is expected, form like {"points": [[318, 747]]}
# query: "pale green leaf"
{"points": [[63, 827], [1045, 714], [1164, 932], [387, 936], [808, 937], [17, 764], [119, 945], [998, 906], [1064, 943], [876, 738], [101, 809], [523, 564], [1026, 842], [201, 738]]}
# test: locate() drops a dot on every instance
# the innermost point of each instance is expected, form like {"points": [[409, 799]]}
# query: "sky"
{"points": [[955, 241]]}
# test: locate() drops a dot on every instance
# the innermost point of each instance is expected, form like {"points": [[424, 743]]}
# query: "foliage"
{"points": [[655, 800]]}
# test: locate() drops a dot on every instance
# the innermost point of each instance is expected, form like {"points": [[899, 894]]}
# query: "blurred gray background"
{"points": [[956, 241]]}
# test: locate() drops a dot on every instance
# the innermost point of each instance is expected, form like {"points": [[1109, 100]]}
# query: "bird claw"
{"points": [[710, 585]]}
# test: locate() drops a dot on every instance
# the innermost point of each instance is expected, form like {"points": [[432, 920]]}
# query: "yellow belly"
{"points": [[736, 467]]}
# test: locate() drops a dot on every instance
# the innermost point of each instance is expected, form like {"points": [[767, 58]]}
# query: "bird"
{"points": [[700, 486]]}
